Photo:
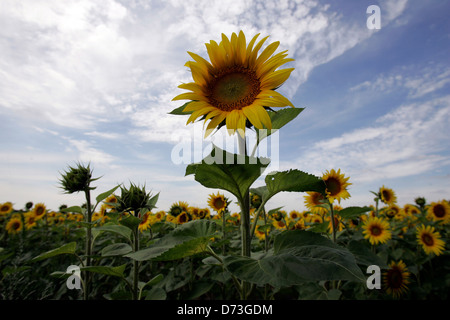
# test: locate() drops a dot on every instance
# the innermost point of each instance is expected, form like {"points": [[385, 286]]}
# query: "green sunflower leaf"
{"points": [[297, 256], [228, 171], [106, 194], [186, 240], [292, 181], [106, 270], [68, 248], [279, 119], [353, 212], [118, 229], [130, 222], [116, 249]]}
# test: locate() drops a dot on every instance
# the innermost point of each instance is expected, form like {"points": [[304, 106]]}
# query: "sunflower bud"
{"points": [[420, 201], [77, 179], [132, 199]]}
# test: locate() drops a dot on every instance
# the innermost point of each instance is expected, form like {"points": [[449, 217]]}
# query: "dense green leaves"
{"points": [[186, 240], [297, 256]]}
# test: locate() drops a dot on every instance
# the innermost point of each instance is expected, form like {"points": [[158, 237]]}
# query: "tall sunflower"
{"points": [[396, 279], [336, 185], [430, 240], [439, 211], [387, 195], [376, 230], [237, 85]]}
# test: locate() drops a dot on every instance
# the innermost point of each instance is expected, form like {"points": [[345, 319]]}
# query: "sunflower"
{"points": [[396, 279], [338, 226], [159, 216], [261, 235], [387, 195], [14, 225], [430, 240], [393, 212], [218, 202], [111, 201], [237, 86], [178, 207], [145, 221], [313, 200], [6, 208], [299, 225], [439, 211], [410, 209], [314, 218], [39, 210], [336, 185], [294, 214], [182, 218], [376, 230], [30, 220]]}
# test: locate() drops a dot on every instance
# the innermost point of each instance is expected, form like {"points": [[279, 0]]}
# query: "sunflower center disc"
{"points": [[439, 211], [428, 240], [233, 89], [376, 231], [333, 186]]}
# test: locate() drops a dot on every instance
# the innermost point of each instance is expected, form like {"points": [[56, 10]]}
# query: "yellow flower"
{"points": [[39, 210], [314, 218], [430, 240], [376, 230], [439, 211], [182, 218], [396, 279], [30, 220], [294, 214], [336, 185], [6, 208], [312, 202], [387, 195], [14, 225], [338, 226], [217, 202], [259, 234], [145, 221], [237, 84]]}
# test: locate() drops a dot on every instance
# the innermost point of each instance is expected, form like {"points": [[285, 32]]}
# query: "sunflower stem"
{"points": [[88, 242], [333, 227], [136, 265]]}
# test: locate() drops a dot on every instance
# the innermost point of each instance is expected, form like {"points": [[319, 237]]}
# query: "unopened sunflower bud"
{"points": [[132, 199], [77, 179]]}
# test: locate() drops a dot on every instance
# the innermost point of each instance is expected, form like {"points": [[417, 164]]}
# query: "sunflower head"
{"points": [[336, 185], [6, 208], [14, 225], [439, 211], [430, 240], [396, 279], [387, 195], [177, 208], [133, 199], [376, 230], [237, 85], [313, 200], [218, 202], [39, 210], [77, 179]]}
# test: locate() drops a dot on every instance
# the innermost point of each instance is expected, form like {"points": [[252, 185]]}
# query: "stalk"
{"points": [[88, 243], [136, 265]]}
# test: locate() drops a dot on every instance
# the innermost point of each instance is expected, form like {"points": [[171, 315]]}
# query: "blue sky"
{"points": [[93, 81]]}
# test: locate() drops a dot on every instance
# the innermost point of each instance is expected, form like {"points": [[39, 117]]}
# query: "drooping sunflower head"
{"points": [[236, 86], [30, 220], [218, 202], [336, 185], [430, 240], [183, 217], [439, 211], [387, 195], [396, 279], [376, 230]]}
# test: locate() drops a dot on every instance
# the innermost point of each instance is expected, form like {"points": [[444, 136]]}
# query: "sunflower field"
{"points": [[119, 245]]}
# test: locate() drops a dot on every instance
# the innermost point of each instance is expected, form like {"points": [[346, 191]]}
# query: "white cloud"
{"points": [[405, 142]]}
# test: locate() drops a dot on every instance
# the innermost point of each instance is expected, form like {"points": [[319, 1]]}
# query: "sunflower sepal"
{"points": [[180, 110]]}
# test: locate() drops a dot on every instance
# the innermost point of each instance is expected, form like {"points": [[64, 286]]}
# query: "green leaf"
{"points": [[293, 181], [156, 294], [227, 171], [353, 212], [106, 270], [68, 248], [151, 203], [130, 222], [298, 256], [364, 255], [186, 240], [76, 209], [116, 249], [179, 110], [118, 229], [106, 194], [279, 119]]}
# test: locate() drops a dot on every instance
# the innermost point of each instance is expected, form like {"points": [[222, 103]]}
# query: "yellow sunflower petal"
{"points": [[276, 79]]}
